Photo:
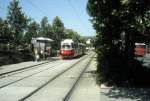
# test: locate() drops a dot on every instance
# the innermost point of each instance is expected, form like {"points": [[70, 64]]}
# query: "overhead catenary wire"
{"points": [[75, 11], [36, 7], [80, 20], [3, 12], [69, 3], [1, 8], [77, 14]]}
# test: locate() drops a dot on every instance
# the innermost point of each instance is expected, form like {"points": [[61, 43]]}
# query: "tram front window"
{"points": [[66, 46], [140, 46]]}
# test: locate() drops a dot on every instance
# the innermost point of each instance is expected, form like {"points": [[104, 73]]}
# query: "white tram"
{"points": [[71, 49], [42, 47]]}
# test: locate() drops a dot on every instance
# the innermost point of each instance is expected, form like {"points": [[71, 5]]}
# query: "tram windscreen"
{"points": [[140, 46], [66, 46]]}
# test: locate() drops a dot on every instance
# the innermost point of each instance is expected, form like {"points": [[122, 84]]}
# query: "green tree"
{"points": [[17, 20], [113, 20], [58, 30], [44, 27], [50, 33], [71, 34], [5, 33], [32, 32]]}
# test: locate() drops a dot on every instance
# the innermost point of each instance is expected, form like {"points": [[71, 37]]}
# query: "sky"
{"points": [[72, 13]]}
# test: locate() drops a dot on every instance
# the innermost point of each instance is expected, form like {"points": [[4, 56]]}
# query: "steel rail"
{"points": [[50, 80], [68, 95], [28, 76], [2, 75]]}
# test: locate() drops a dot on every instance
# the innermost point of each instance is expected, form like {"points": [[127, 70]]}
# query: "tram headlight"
{"points": [[41, 51]]}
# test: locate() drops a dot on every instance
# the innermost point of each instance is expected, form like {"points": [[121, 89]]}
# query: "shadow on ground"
{"points": [[135, 88], [136, 94]]}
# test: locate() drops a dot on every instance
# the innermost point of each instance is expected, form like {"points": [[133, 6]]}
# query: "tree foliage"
{"points": [[71, 34], [18, 29], [17, 20], [5, 33], [32, 32], [58, 30], [43, 27], [117, 22]]}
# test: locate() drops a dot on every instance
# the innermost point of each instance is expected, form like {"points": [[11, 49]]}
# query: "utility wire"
{"points": [[35, 6], [3, 9], [77, 14]]}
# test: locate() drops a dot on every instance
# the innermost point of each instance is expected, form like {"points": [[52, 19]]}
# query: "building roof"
{"points": [[43, 39]]}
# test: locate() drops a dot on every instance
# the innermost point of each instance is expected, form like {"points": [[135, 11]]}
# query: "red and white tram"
{"points": [[70, 49], [140, 49]]}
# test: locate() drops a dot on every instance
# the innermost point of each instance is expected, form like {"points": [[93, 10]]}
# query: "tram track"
{"points": [[5, 85], [24, 69], [51, 75], [50, 80], [67, 96]]}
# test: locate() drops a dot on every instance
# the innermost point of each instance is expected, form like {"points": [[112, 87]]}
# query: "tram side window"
{"points": [[77, 46], [74, 46]]}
